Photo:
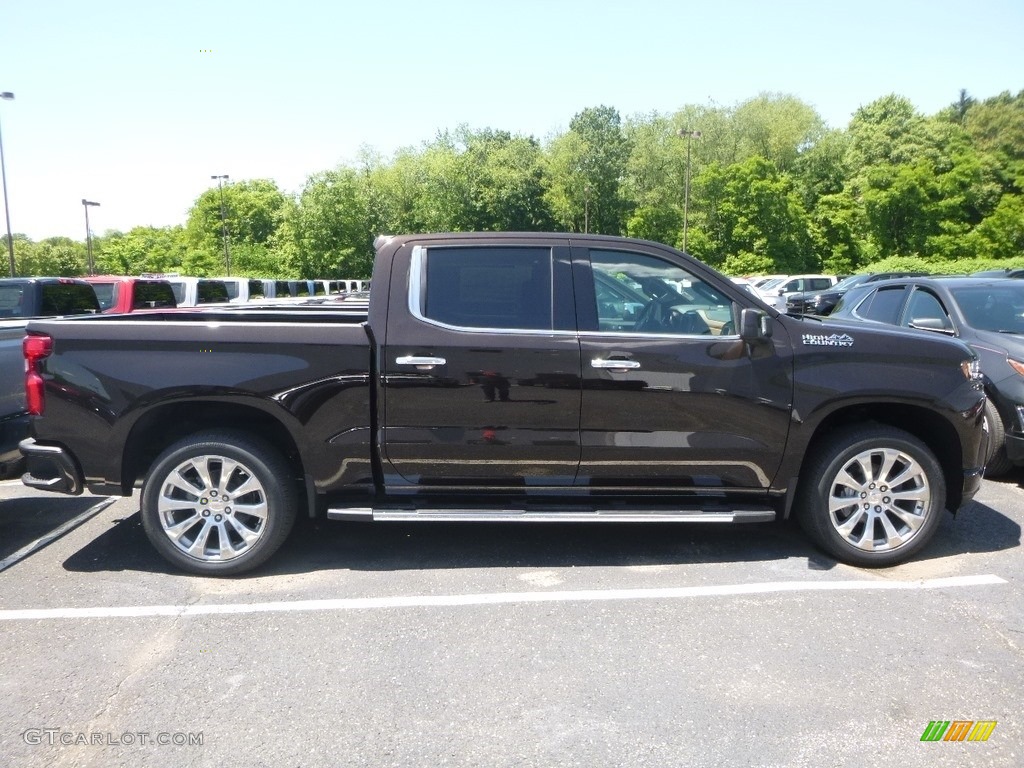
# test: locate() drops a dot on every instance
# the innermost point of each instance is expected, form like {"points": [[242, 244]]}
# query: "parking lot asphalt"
{"points": [[502, 644]]}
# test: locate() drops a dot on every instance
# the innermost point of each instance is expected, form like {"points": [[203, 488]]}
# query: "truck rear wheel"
{"points": [[872, 496], [218, 503]]}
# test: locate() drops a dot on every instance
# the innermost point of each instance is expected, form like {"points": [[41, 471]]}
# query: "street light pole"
{"points": [[224, 222], [6, 96], [686, 185], [88, 235], [586, 209]]}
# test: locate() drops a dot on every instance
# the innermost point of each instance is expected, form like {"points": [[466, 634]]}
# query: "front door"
{"points": [[672, 397]]}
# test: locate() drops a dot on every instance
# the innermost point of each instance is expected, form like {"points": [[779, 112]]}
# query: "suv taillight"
{"points": [[35, 348]]}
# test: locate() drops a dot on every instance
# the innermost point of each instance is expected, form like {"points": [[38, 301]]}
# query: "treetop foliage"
{"points": [[771, 189]]}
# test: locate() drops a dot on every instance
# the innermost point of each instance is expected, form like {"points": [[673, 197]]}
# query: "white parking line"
{"points": [[56, 533], [435, 601]]}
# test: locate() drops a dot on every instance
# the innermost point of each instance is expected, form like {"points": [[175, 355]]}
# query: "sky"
{"points": [[135, 105]]}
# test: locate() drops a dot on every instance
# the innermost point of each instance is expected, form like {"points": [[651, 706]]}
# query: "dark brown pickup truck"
{"points": [[512, 377]]}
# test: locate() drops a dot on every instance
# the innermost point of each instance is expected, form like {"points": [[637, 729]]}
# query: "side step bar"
{"points": [[555, 514]]}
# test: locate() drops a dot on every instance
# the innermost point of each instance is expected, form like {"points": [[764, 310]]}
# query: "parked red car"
{"points": [[118, 295]]}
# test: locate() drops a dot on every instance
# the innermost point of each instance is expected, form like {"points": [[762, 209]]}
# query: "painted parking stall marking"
{"points": [[500, 598]]}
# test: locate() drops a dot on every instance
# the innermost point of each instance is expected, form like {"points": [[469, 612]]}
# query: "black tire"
{"points": [[219, 503], [872, 523], [997, 463]]}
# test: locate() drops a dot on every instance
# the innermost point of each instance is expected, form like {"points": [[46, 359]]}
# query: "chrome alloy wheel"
{"points": [[212, 508], [879, 500]]}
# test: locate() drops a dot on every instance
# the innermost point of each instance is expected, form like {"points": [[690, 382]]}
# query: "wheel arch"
{"points": [[164, 425], [930, 427]]}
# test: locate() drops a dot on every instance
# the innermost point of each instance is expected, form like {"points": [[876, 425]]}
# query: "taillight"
{"points": [[35, 348]]}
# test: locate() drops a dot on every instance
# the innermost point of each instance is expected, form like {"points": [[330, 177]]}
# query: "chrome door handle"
{"points": [[421, 363], [616, 366]]}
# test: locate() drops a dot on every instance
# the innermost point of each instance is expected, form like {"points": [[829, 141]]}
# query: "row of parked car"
{"points": [[23, 298]]}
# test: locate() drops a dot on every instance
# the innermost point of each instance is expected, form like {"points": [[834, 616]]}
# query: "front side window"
{"points": [[481, 287], [925, 306], [644, 294]]}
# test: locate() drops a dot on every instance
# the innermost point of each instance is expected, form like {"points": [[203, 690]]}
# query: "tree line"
{"points": [[771, 189]]}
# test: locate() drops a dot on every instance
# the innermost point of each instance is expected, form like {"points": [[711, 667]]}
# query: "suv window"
{"points": [[645, 294], [882, 305], [256, 290], [818, 284], [488, 287]]}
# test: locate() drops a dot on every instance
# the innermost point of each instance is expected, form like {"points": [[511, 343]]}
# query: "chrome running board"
{"points": [[555, 514]]}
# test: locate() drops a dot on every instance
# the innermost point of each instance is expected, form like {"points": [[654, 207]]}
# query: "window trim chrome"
{"points": [[417, 278]]}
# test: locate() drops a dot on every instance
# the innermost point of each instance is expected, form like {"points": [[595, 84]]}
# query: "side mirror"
{"points": [[931, 324], [755, 325]]}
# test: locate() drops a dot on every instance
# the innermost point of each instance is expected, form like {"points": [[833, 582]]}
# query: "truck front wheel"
{"points": [[218, 503], [872, 496]]}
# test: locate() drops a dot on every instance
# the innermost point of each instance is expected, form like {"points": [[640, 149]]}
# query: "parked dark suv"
{"points": [[823, 302], [988, 314]]}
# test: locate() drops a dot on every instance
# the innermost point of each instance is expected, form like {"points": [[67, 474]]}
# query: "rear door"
{"points": [[672, 397], [481, 366]]}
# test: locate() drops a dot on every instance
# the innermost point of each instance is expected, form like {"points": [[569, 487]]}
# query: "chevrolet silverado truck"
{"points": [[508, 377]]}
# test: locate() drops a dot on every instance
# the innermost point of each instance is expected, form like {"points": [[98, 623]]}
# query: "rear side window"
{"points": [[256, 289], [502, 288], [68, 299], [153, 296], [882, 305]]}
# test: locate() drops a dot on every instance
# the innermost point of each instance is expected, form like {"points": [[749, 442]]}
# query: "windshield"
{"points": [[992, 307]]}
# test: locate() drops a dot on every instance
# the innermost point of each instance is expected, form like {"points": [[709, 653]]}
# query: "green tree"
{"points": [[327, 232], [141, 249], [585, 168], [752, 214], [777, 127], [253, 210], [996, 127]]}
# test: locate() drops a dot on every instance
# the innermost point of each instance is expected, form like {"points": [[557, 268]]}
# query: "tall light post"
{"points": [[88, 235], [586, 209], [690, 135], [6, 96], [224, 221]]}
